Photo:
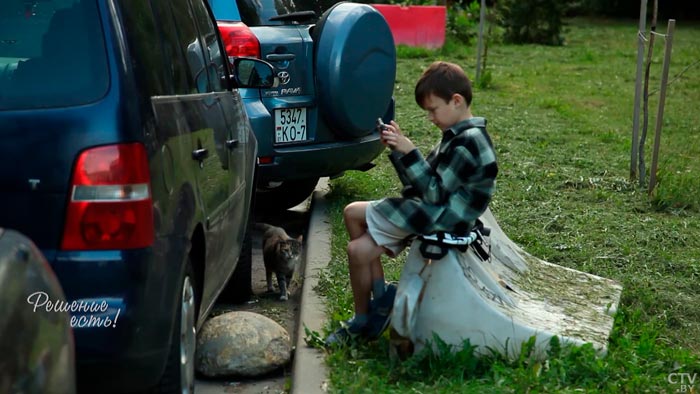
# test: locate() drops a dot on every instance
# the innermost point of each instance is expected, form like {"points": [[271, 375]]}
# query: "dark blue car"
{"points": [[336, 72], [126, 155]]}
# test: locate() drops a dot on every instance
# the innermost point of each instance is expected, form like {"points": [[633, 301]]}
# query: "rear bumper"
{"points": [[319, 160], [326, 155], [122, 334]]}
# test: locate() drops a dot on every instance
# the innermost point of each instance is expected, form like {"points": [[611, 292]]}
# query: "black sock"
{"points": [[378, 288]]}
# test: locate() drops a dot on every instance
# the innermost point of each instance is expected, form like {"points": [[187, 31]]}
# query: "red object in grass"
{"points": [[422, 26]]}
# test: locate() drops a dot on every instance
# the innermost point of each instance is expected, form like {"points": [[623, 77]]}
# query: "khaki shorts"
{"points": [[386, 234]]}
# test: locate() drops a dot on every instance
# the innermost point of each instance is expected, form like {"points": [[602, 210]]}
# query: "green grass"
{"points": [[560, 118]]}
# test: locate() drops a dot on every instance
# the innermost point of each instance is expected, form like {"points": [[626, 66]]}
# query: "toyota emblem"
{"points": [[284, 77]]}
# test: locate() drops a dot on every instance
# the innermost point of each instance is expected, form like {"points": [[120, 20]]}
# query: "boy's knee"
{"points": [[353, 248], [355, 210], [363, 250], [357, 249], [350, 211], [347, 213]]}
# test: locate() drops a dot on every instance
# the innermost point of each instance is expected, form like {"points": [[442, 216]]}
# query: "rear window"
{"points": [[259, 12], [52, 54]]}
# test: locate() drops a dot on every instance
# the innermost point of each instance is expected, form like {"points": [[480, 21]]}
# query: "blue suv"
{"points": [[336, 76], [128, 158]]}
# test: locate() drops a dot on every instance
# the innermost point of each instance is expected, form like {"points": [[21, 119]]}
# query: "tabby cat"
{"points": [[281, 254]]}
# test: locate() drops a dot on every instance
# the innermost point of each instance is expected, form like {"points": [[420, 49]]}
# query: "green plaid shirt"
{"points": [[450, 189]]}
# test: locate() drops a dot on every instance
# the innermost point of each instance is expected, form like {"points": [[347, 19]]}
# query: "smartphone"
{"points": [[380, 124]]}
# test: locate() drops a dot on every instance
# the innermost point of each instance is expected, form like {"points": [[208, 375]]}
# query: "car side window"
{"points": [[216, 68], [173, 55], [188, 40]]}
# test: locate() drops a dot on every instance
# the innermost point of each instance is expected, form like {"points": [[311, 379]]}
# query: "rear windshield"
{"points": [[259, 12], [52, 54]]}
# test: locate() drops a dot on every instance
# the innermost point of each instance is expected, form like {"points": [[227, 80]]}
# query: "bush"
{"points": [[463, 21], [532, 21]]}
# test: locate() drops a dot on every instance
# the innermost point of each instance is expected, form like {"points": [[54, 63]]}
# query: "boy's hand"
{"points": [[393, 138]]}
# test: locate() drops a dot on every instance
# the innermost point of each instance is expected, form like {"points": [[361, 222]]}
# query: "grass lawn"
{"points": [[561, 120]]}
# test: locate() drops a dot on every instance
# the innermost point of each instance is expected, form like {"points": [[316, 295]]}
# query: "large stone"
{"points": [[241, 344]]}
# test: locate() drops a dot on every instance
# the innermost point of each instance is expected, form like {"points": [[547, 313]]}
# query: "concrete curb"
{"points": [[309, 374]]}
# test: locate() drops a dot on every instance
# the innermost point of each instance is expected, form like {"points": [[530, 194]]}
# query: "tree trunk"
{"points": [[662, 101]]}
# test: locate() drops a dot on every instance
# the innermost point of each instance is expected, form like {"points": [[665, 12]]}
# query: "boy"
{"points": [[446, 192]]}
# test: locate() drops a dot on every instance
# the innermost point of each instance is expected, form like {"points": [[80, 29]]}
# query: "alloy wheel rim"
{"points": [[187, 338]]}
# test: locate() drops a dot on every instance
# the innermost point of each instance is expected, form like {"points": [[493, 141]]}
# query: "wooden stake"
{"points": [[480, 44], [638, 87], [662, 101], [486, 48], [645, 96]]}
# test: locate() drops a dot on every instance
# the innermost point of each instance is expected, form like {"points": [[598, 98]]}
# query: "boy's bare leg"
{"points": [[366, 275], [355, 218], [362, 254]]}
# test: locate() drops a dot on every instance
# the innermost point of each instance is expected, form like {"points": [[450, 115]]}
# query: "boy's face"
{"points": [[444, 114]]}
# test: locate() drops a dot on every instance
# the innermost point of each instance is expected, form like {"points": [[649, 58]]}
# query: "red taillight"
{"points": [[265, 159], [239, 40], [110, 205]]}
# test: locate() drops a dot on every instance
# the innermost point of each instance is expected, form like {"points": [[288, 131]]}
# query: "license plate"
{"points": [[290, 125]]}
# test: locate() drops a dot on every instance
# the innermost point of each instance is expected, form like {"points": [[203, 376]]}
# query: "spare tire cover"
{"points": [[355, 68]]}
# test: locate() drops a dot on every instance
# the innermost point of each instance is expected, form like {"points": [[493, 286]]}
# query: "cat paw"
{"points": [[284, 297]]}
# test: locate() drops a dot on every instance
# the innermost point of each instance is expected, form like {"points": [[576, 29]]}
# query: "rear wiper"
{"points": [[300, 16]]}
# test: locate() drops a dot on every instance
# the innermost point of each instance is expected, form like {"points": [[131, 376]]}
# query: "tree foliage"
{"points": [[532, 21], [630, 8]]}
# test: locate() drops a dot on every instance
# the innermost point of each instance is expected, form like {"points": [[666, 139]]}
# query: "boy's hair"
{"points": [[443, 79]]}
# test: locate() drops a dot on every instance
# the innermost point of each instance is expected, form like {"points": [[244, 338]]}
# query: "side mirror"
{"points": [[254, 73]]}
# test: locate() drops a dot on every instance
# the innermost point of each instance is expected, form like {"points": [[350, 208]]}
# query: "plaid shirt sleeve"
{"points": [[453, 186]]}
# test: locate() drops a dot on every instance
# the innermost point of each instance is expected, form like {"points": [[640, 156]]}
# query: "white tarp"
{"points": [[505, 300]]}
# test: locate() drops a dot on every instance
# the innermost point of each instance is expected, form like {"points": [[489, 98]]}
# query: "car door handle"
{"points": [[200, 154], [278, 57], [231, 143]]}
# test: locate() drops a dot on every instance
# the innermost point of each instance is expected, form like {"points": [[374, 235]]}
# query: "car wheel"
{"points": [[179, 370], [240, 286], [285, 196]]}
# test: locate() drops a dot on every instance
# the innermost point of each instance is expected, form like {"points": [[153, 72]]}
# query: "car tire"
{"points": [[179, 370], [240, 285], [284, 196]]}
